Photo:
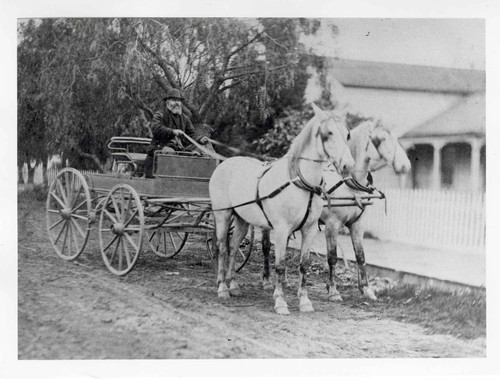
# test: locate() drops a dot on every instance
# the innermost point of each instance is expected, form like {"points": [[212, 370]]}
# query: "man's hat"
{"points": [[173, 93]]}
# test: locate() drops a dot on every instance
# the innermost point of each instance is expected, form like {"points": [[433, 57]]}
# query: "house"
{"points": [[438, 114], [449, 151]]}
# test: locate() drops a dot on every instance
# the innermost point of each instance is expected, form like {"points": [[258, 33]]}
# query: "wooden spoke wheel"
{"points": [[166, 243], [68, 211], [121, 229], [242, 254]]}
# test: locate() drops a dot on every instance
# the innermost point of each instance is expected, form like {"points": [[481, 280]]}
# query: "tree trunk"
{"points": [[30, 185], [20, 178], [93, 157], [31, 174], [45, 180]]}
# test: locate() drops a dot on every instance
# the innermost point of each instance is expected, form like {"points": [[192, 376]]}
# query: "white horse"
{"points": [[372, 147], [283, 196]]}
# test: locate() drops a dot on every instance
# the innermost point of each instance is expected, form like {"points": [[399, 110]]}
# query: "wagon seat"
{"points": [[129, 154]]}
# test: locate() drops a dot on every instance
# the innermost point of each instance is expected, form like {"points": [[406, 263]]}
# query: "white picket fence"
{"points": [[52, 173], [447, 219]]}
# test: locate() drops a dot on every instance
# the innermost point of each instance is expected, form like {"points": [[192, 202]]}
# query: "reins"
{"points": [[241, 152], [298, 180]]}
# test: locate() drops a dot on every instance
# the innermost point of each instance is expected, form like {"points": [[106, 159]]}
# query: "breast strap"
{"points": [[299, 182], [259, 200]]}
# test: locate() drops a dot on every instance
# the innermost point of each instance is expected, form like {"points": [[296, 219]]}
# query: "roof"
{"points": [[468, 116], [395, 76]]}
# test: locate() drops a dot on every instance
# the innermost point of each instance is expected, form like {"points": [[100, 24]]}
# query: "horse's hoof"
{"points": [[281, 307], [267, 285], [283, 310], [306, 306], [235, 291], [223, 294], [335, 298], [369, 294]]}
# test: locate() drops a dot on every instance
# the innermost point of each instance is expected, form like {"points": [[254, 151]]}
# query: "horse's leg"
{"points": [[286, 283], [266, 248], [308, 234], [280, 265], [222, 220], [357, 243], [332, 229], [239, 232]]}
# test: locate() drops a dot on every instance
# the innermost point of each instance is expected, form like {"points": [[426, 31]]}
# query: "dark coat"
{"points": [[162, 126]]}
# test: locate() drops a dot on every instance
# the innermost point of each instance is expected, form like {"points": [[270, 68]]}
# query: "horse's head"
{"points": [[331, 136], [385, 149]]}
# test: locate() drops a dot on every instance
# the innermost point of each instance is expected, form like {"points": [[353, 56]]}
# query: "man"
{"points": [[168, 127]]}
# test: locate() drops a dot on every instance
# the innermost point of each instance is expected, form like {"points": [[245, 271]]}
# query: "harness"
{"points": [[353, 184], [298, 181]]}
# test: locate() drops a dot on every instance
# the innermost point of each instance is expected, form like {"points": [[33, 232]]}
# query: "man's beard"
{"points": [[177, 110]]}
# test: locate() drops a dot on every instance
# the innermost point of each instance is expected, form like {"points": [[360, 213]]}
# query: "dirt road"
{"points": [[168, 308]]}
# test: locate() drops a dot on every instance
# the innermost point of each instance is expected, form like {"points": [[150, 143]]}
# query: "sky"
{"points": [[457, 43]]}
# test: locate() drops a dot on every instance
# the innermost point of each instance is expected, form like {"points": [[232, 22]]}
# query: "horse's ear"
{"points": [[343, 108], [373, 124], [319, 112]]}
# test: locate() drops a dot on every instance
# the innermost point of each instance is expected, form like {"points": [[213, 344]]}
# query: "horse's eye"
{"points": [[348, 136]]}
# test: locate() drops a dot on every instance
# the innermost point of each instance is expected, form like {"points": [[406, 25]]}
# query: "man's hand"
{"points": [[167, 149], [204, 140], [177, 132]]}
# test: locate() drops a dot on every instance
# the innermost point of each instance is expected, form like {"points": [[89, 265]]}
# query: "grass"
{"points": [[462, 314], [458, 313], [37, 194]]}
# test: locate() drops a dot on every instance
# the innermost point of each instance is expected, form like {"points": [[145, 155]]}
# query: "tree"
{"points": [[30, 109], [104, 77]]}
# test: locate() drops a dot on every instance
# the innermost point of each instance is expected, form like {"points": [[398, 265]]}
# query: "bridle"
{"points": [[376, 143], [323, 140]]}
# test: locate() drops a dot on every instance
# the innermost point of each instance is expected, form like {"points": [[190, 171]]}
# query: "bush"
{"points": [[36, 193], [277, 141]]}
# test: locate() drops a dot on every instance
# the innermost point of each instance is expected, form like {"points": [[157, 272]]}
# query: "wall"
{"points": [[401, 110]]}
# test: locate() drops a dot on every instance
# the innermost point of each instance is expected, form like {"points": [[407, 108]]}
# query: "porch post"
{"points": [[475, 165], [436, 165]]}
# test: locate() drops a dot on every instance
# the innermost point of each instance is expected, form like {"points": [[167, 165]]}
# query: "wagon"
{"points": [[130, 211]]}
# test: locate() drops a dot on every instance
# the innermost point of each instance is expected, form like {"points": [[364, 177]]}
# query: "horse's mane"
{"points": [[302, 139], [361, 130], [295, 150]]}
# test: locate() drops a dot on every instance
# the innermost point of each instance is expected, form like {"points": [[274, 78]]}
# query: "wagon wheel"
{"points": [[121, 229], [244, 251], [166, 243], [68, 213]]}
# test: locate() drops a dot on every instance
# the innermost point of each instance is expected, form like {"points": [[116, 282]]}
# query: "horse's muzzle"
{"points": [[402, 168], [346, 166]]}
